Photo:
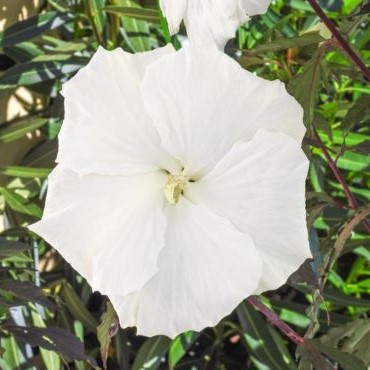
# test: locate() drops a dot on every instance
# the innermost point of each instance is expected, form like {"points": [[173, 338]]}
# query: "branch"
{"points": [[275, 320], [340, 39], [340, 178]]}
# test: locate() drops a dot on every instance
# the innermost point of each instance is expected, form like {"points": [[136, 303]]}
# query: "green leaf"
{"points": [[339, 298], [345, 360], [164, 27], [359, 110], [305, 85], [33, 27], [286, 43], [179, 346], [31, 73], [106, 330], [20, 204], [150, 354], [98, 17], [23, 52], [53, 339], [25, 292], [13, 355], [137, 33], [266, 349], [347, 230], [50, 358], [10, 248], [351, 139], [149, 15], [20, 128], [273, 20], [311, 353], [77, 308], [352, 338], [52, 58], [25, 172], [354, 162], [64, 46]]}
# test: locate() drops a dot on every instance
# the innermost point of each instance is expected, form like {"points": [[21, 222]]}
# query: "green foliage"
{"points": [[49, 318]]}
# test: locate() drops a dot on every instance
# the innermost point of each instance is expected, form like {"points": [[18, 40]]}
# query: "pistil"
{"points": [[174, 188]]}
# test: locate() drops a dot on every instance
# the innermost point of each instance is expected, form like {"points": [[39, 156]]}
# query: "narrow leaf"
{"points": [[149, 15], [286, 43], [25, 172], [305, 85], [77, 308], [150, 354], [17, 130], [25, 292], [11, 248], [345, 360], [20, 204], [259, 341], [53, 339], [33, 27], [31, 73], [179, 346], [106, 330]]}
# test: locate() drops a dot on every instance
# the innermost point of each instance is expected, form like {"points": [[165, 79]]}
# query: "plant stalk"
{"points": [[275, 320], [340, 178], [340, 39], [91, 15]]}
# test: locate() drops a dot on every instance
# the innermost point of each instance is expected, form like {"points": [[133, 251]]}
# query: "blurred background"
{"points": [[50, 319]]}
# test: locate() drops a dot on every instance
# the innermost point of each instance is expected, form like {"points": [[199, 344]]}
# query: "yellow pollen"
{"points": [[175, 186]]}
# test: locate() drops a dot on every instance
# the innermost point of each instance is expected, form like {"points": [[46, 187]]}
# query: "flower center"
{"points": [[175, 186]]}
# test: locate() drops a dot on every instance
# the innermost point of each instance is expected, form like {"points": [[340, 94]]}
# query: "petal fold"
{"points": [[260, 187], [206, 269], [202, 102], [110, 229], [105, 130]]}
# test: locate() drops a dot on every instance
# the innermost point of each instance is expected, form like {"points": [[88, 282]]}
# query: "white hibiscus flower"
{"points": [[211, 22], [179, 189]]}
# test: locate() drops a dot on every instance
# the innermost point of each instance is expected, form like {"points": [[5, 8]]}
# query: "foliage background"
{"points": [[49, 318]]}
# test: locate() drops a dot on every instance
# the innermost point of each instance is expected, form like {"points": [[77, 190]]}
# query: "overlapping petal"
{"points": [[110, 229], [260, 187], [206, 269], [126, 308], [202, 102], [238, 230], [211, 22], [105, 129]]}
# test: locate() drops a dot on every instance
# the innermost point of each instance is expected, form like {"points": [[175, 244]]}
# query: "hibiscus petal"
{"points": [[127, 307], [174, 11], [206, 269], [260, 187], [211, 22], [202, 102], [105, 129], [254, 7], [110, 229]]}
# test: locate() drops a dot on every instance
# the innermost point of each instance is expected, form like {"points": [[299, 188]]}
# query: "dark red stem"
{"points": [[340, 178], [275, 320], [340, 39]]}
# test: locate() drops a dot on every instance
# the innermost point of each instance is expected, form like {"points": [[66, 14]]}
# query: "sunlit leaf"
{"points": [[106, 330], [151, 353], [33, 27], [19, 129]]}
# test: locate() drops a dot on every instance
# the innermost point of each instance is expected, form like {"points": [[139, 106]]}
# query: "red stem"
{"points": [[340, 178], [275, 320], [340, 39]]}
